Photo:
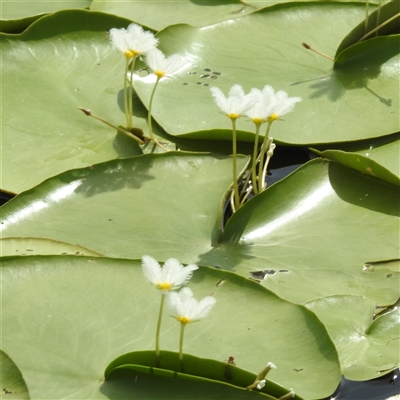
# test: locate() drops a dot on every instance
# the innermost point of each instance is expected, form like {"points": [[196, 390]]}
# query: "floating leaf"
{"points": [[386, 17], [13, 386], [89, 311], [17, 15], [195, 368], [367, 348]]}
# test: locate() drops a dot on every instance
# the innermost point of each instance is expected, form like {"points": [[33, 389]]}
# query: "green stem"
{"points": [[130, 94], [269, 155], [149, 122], [181, 346], [126, 93], [158, 330], [131, 135], [264, 149], [254, 162], [235, 183]]}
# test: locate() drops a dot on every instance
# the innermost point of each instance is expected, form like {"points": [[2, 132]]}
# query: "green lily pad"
{"points": [[340, 101], [17, 15], [158, 15], [367, 348], [387, 16], [51, 342], [363, 164], [34, 246], [62, 62], [308, 240], [195, 368], [13, 386], [136, 383], [378, 156]]}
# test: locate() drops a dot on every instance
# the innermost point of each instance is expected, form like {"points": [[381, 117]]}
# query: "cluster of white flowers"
{"points": [[170, 277], [134, 42], [259, 105]]}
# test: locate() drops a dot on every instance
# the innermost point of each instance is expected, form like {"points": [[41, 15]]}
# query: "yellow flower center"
{"points": [[233, 116], [164, 286], [257, 121], [128, 54], [183, 320], [274, 117], [159, 74]]}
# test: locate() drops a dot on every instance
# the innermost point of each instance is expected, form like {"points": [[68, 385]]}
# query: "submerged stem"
{"points": [[158, 330]]}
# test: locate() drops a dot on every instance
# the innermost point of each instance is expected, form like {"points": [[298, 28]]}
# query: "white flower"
{"points": [[264, 105], [162, 65], [270, 105], [283, 104], [186, 309], [261, 384], [171, 276], [237, 103], [132, 41]]}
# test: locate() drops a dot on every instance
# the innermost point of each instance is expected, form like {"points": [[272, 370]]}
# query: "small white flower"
{"points": [[170, 277], [283, 104], [263, 106], [186, 309], [237, 103], [261, 384], [132, 41], [162, 65], [270, 105]]}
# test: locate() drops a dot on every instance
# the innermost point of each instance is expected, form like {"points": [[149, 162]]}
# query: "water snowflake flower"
{"points": [[269, 106], [263, 106], [164, 66], [236, 103], [170, 277], [283, 105], [186, 309], [133, 41]]}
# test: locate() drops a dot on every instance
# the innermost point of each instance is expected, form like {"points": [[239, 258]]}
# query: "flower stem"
{"points": [[270, 152], [158, 330], [235, 183], [130, 94], [264, 149], [181, 346], [149, 122], [254, 161], [126, 94]]}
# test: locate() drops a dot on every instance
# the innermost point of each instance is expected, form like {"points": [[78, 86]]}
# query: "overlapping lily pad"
{"points": [[77, 314], [336, 105], [13, 386], [367, 348], [17, 15], [313, 231], [69, 62]]}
